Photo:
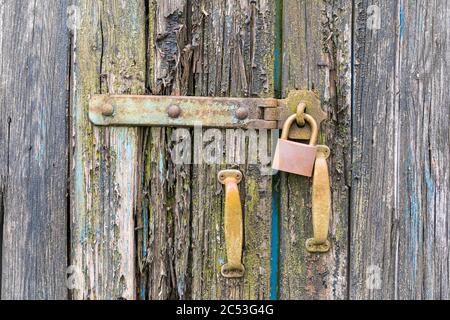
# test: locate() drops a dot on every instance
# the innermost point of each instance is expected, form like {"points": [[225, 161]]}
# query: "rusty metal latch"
{"points": [[233, 223], [217, 112]]}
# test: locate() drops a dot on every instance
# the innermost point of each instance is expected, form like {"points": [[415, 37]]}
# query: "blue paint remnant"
{"points": [[413, 213], [278, 87], [181, 286], [221, 261], [143, 291], [83, 233], [430, 189], [274, 259], [402, 21], [129, 146], [430, 197]]}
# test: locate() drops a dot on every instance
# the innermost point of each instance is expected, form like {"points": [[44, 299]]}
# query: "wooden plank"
{"points": [[317, 50], [33, 149], [109, 56], [132, 111], [400, 196], [233, 56], [164, 240], [181, 248]]}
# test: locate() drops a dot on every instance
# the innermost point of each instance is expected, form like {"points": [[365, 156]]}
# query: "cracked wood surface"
{"points": [[181, 241], [234, 57], [400, 196], [317, 50], [109, 56], [164, 218], [33, 153], [143, 226], [33, 149]]}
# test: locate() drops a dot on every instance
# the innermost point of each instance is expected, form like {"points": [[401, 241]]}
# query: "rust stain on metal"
{"points": [[219, 112], [289, 106], [177, 111]]}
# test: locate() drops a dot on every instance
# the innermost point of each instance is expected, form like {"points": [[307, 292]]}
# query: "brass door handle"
{"points": [[321, 203], [233, 224]]}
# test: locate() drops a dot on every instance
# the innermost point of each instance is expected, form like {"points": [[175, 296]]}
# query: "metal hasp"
{"points": [[233, 220], [321, 203], [216, 112]]}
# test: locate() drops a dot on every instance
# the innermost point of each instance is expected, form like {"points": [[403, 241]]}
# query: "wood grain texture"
{"points": [[317, 49], [181, 247], [33, 149], [109, 56], [233, 56], [400, 196], [164, 239]]}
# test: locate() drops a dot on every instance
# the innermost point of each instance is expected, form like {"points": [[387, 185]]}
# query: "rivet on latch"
{"points": [[233, 224], [174, 111], [107, 110], [242, 113]]}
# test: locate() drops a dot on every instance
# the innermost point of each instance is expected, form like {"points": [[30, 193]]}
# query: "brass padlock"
{"points": [[293, 157]]}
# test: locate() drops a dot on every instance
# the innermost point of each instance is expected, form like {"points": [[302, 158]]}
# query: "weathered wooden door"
{"points": [[131, 200], [139, 225]]}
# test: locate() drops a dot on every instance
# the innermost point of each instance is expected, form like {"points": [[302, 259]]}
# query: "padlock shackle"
{"points": [[310, 120]]}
